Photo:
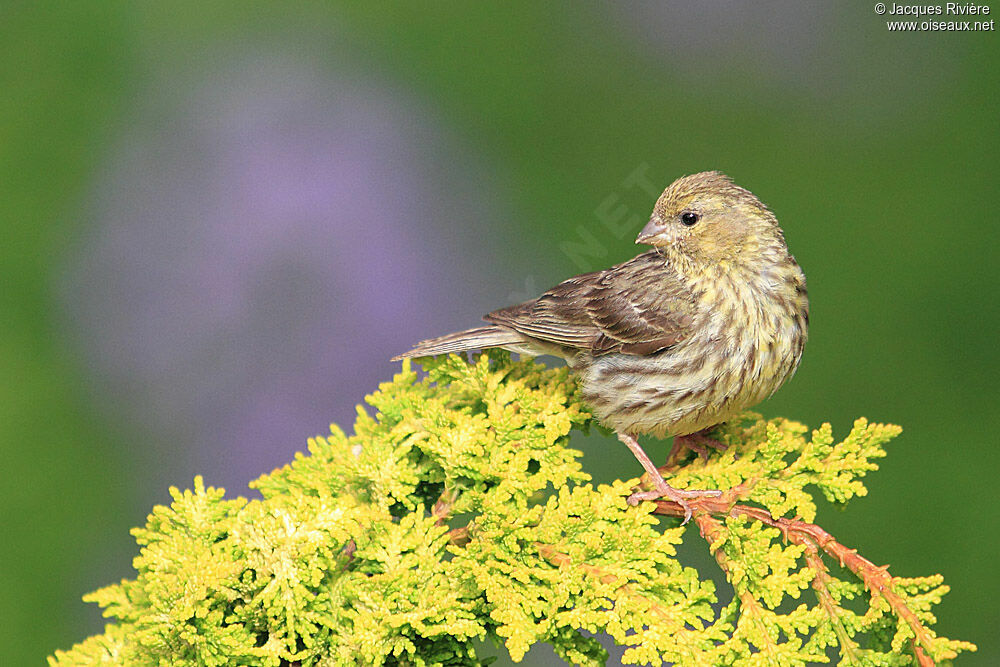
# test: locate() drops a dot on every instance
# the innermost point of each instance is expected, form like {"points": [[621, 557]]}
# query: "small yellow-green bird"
{"points": [[709, 322]]}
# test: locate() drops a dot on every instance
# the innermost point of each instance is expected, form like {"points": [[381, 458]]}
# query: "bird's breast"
{"points": [[743, 344]]}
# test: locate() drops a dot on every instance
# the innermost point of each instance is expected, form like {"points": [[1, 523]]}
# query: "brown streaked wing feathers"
{"points": [[556, 316], [638, 307]]}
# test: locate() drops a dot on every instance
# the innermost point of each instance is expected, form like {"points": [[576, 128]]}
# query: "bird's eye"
{"points": [[689, 218]]}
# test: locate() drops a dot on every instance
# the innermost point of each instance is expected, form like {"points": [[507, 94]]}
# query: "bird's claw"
{"points": [[679, 496], [699, 443]]}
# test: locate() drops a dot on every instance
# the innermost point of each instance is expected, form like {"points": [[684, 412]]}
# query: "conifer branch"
{"points": [[849, 649], [353, 555], [876, 578]]}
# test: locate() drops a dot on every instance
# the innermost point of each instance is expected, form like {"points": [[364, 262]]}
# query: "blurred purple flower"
{"points": [[260, 244]]}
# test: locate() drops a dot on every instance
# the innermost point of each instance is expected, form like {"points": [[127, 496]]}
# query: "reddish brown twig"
{"points": [[711, 529], [459, 536], [442, 508], [820, 584], [707, 511], [560, 559], [875, 578]]}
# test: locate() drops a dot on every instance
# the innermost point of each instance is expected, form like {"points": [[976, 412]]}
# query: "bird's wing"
{"points": [[559, 316], [638, 307]]}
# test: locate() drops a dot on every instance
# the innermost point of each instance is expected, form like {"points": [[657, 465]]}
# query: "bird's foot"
{"points": [[660, 488], [699, 443], [679, 496]]}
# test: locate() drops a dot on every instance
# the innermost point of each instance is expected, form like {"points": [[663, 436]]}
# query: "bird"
{"points": [[708, 322]]}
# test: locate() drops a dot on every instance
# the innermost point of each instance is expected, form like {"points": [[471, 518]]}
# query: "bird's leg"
{"points": [[698, 442], [660, 487]]}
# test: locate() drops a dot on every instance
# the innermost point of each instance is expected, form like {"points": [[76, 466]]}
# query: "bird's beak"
{"points": [[652, 229]]}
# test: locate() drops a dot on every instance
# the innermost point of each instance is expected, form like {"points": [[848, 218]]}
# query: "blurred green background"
{"points": [[166, 172]]}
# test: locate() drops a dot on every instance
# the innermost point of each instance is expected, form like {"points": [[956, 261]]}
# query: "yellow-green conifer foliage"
{"points": [[458, 513]]}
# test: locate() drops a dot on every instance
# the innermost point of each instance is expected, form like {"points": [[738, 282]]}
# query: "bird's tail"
{"points": [[460, 341]]}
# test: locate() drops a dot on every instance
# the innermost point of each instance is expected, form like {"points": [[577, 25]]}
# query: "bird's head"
{"points": [[706, 218]]}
